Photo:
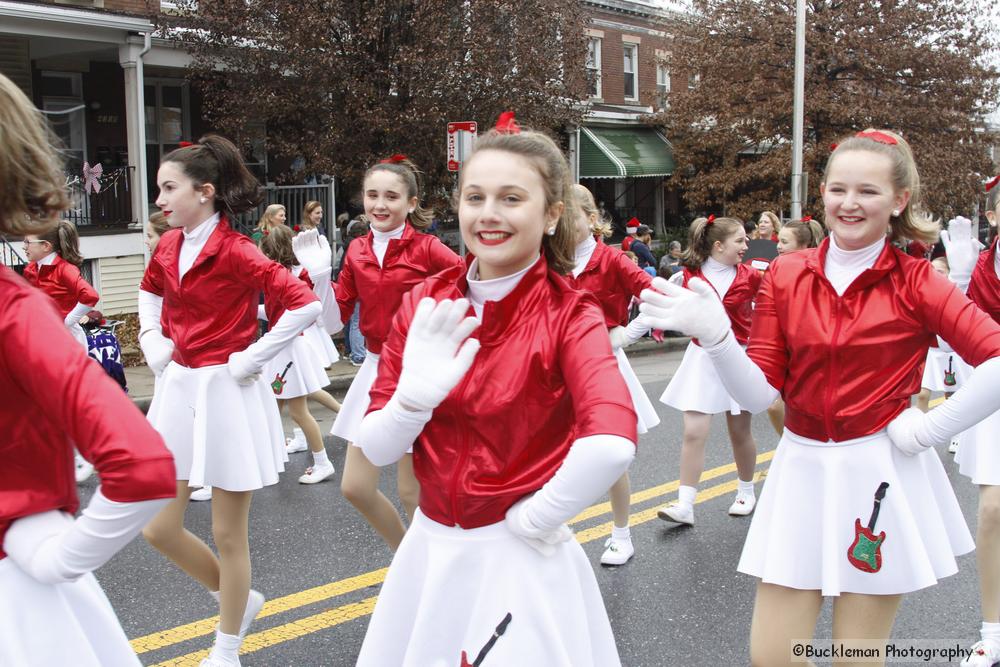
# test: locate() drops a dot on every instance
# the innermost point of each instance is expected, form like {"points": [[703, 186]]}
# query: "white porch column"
{"points": [[130, 58]]}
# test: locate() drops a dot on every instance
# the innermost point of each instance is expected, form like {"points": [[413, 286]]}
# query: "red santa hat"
{"points": [[632, 226]]}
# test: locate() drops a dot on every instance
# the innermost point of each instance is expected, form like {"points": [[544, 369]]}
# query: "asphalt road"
{"points": [[679, 602]]}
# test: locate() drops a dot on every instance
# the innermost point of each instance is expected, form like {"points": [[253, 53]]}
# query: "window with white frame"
{"points": [[662, 85], [594, 66], [631, 71], [694, 80]]}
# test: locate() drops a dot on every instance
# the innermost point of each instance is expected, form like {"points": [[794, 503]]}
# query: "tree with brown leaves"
{"points": [[913, 66], [342, 83]]}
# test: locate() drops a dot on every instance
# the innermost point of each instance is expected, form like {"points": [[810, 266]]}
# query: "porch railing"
{"points": [[106, 206], [9, 255]]}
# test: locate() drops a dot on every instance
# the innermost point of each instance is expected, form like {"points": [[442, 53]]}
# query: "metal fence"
{"points": [[9, 255], [109, 204], [294, 198]]}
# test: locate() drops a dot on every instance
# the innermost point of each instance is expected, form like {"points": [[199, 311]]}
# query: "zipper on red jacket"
{"points": [[830, 384]]}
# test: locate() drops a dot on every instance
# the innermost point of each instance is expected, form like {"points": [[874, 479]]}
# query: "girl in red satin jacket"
{"points": [[377, 271], [216, 414], [616, 281], [514, 430], [715, 253], [52, 609], [54, 267]]}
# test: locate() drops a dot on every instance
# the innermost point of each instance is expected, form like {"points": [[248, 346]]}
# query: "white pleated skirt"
{"points": [[295, 371], [448, 588], [321, 343], [643, 406], [220, 433], [978, 455], [805, 521], [356, 402], [696, 386], [937, 372], [58, 624]]}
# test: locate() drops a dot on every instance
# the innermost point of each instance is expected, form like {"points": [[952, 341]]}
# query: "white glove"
{"points": [[695, 311], [625, 336], [903, 431], [158, 349], [962, 251], [542, 541], [52, 547], [243, 368], [438, 353], [73, 318], [313, 252]]}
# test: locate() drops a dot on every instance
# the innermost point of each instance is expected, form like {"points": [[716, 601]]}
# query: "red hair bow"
{"points": [[393, 159], [806, 218], [833, 147], [711, 220], [992, 184], [184, 144], [296, 228], [880, 137], [506, 124]]}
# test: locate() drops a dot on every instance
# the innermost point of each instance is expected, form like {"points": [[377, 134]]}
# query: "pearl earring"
{"points": [[895, 212], [551, 231], [203, 200]]}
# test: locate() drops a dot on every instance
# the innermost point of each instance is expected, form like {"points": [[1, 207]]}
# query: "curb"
{"points": [[342, 382]]}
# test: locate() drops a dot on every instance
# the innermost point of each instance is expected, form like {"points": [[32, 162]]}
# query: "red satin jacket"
{"points": [[614, 279], [408, 261], [275, 310], [848, 365], [213, 311], [54, 394], [984, 288], [61, 281], [738, 300], [544, 377]]}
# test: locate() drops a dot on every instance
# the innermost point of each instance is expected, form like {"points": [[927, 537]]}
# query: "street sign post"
{"points": [[461, 138]]}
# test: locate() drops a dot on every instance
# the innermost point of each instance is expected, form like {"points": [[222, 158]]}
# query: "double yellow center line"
{"points": [[348, 612]]}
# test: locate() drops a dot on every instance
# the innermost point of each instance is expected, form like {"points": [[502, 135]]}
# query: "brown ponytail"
{"points": [[703, 234], [214, 159], [65, 241]]}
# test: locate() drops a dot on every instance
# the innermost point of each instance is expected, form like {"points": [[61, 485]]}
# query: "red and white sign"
{"points": [[461, 139]]}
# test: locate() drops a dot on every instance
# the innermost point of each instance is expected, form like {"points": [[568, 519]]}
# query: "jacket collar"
{"points": [[502, 317], [221, 235], [50, 263], [395, 246], [884, 264]]}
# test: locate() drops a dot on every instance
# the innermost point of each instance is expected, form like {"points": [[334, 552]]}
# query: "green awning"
{"points": [[623, 152]]}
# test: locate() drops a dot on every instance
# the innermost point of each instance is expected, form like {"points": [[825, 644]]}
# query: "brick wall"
{"points": [[651, 34]]}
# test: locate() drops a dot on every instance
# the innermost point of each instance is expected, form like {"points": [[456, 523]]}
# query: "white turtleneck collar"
{"points": [[996, 259], [843, 266], [380, 240], [481, 291], [584, 251], [48, 259], [193, 243], [720, 275]]}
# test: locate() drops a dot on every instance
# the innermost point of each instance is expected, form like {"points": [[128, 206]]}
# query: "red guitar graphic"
{"points": [[502, 628], [865, 553], [949, 375], [279, 383]]}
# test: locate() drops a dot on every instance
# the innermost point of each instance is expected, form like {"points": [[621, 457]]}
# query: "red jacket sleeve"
{"points": [[601, 400], [152, 278], [950, 314], [632, 279], [767, 347], [277, 282], [74, 283], [345, 288], [77, 399], [441, 257]]}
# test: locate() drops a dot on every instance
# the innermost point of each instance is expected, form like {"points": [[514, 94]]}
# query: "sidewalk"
{"points": [[341, 374]]}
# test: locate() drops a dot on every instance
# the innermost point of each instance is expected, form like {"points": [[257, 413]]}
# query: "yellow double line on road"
{"points": [[348, 612]]}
